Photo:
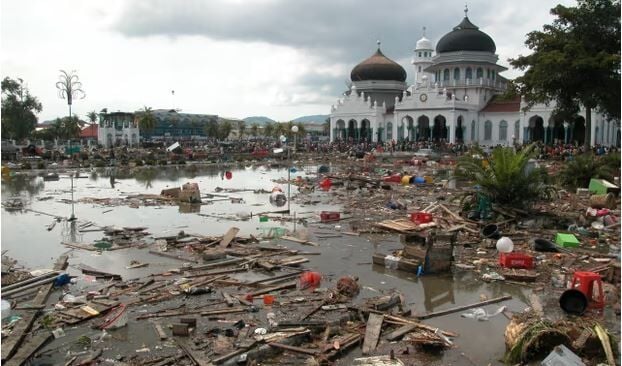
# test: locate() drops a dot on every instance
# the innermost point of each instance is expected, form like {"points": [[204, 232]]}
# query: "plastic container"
{"points": [[566, 240], [327, 216], [395, 178], [591, 285], [505, 245], [516, 260], [419, 180], [420, 217], [573, 301], [310, 280], [268, 299], [406, 180], [490, 231]]}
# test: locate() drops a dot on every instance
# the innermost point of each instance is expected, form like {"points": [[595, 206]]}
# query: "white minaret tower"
{"points": [[422, 59]]}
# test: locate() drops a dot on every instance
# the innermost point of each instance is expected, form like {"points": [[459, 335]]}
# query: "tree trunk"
{"points": [[588, 127]]}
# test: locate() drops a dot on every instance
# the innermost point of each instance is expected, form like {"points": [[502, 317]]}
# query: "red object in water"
{"points": [[584, 282], [228, 175], [326, 183], [420, 217], [310, 280], [515, 260], [326, 216], [248, 297], [395, 178], [268, 299]]}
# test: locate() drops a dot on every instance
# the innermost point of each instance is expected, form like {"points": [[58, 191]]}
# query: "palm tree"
{"points": [[268, 129], [146, 119], [241, 128], [254, 129], [224, 129], [577, 172], [279, 129], [505, 177], [326, 127], [302, 131], [92, 116], [69, 87]]}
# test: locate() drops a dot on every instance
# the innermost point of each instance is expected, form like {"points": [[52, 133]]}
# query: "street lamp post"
{"points": [[289, 169]]}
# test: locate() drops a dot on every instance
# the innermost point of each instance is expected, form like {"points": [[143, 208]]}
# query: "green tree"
{"points": [[302, 130], [575, 61], [211, 129], [241, 129], [268, 129], [254, 129], [326, 127], [279, 129], [65, 128], [146, 119], [505, 176], [224, 129], [577, 172], [19, 109], [69, 87], [92, 116]]}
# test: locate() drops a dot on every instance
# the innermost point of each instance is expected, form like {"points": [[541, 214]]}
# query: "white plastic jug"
{"points": [[505, 245]]}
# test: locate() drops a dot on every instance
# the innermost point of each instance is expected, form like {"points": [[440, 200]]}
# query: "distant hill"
{"points": [[317, 118], [260, 120]]}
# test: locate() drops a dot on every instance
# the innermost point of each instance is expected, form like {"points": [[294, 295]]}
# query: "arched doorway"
{"points": [[578, 131], [389, 131], [408, 123], [379, 133], [352, 130], [536, 128], [558, 132], [459, 130], [424, 128], [439, 131], [340, 131], [365, 130]]}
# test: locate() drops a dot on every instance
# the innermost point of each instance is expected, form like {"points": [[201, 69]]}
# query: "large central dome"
{"points": [[378, 67], [466, 37]]}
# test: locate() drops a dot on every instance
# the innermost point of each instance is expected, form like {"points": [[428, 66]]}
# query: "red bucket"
{"points": [[310, 280], [420, 217]]}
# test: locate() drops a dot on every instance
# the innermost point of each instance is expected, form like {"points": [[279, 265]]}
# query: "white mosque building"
{"points": [[456, 97]]}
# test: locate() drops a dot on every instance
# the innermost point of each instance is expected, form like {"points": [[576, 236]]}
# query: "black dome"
{"points": [[378, 67], [466, 37]]}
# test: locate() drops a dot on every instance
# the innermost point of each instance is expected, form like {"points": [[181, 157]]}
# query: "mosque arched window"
{"points": [[488, 130], [493, 74], [419, 68], [503, 130], [446, 74], [468, 74], [480, 73], [456, 74], [473, 130], [419, 54], [487, 73]]}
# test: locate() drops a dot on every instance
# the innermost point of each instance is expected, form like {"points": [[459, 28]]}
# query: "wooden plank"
{"points": [[286, 347], [31, 346], [465, 307], [299, 241], [372, 332], [194, 356], [23, 326], [160, 331], [275, 288], [401, 331], [228, 237]]}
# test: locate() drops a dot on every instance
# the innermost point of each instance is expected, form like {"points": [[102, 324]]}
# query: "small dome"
{"points": [[424, 44], [466, 37], [378, 67]]}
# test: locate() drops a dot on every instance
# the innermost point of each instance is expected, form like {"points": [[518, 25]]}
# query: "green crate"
{"points": [[263, 218], [602, 186], [566, 240]]}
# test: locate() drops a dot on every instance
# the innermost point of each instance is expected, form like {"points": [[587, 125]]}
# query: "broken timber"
{"points": [[465, 307], [372, 332]]}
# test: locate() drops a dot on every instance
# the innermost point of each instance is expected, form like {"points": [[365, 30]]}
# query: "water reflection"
{"points": [[437, 290], [70, 233], [17, 184], [185, 207]]}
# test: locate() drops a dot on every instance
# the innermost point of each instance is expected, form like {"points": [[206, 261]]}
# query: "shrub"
{"points": [[505, 176], [41, 165], [577, 172], [26, 166]]}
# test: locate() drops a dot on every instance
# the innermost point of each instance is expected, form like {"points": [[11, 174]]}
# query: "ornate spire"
{"points": [[466, 10], [424, 31], [378, 43]]}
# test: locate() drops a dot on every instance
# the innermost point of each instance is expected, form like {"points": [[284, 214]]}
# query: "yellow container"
{"points": [[428, 179], [485, 164], [406, 180]]}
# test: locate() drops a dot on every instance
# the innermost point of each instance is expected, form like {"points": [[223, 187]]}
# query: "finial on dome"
{"points": [[466, 10], [378, 43], [424, 31]]}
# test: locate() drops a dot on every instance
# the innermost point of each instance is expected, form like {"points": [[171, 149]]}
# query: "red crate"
{"points": [[420, 217], [516, 260], [329, 216]]}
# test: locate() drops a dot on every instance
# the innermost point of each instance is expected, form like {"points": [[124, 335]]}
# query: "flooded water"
{"points": [[26, 238]]}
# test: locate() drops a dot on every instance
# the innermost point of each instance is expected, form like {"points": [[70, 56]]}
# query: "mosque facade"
{"points": [[456, 97]]}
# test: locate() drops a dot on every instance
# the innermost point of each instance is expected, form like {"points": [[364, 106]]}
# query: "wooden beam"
{"points": [[29, 348], [228, 237], [372, 332], [464, 307], [294, 349], [400, 332]]}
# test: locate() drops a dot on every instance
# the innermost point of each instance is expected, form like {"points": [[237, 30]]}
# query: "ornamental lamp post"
{"points": [[289, 169]]}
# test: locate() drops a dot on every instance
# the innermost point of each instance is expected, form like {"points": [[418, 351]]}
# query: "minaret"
{"points": [[422, 59]]}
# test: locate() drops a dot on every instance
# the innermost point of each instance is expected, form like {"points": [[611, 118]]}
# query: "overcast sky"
{"points": [[235, 58]]}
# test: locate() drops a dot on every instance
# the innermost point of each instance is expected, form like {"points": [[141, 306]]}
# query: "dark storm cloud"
{"points": [[337, 30]]}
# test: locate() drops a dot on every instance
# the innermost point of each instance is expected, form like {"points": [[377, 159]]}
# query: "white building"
{"points": [[118, 128], [456, 96]]}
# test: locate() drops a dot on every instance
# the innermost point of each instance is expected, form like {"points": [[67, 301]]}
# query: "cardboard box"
{"points": [[566, 240]]}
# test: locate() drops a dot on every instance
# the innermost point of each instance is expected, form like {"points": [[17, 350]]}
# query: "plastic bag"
{"points": [[481, 314]]}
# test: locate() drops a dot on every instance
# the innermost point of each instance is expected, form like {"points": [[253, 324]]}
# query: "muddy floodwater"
{"points": [[26, 238]]}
